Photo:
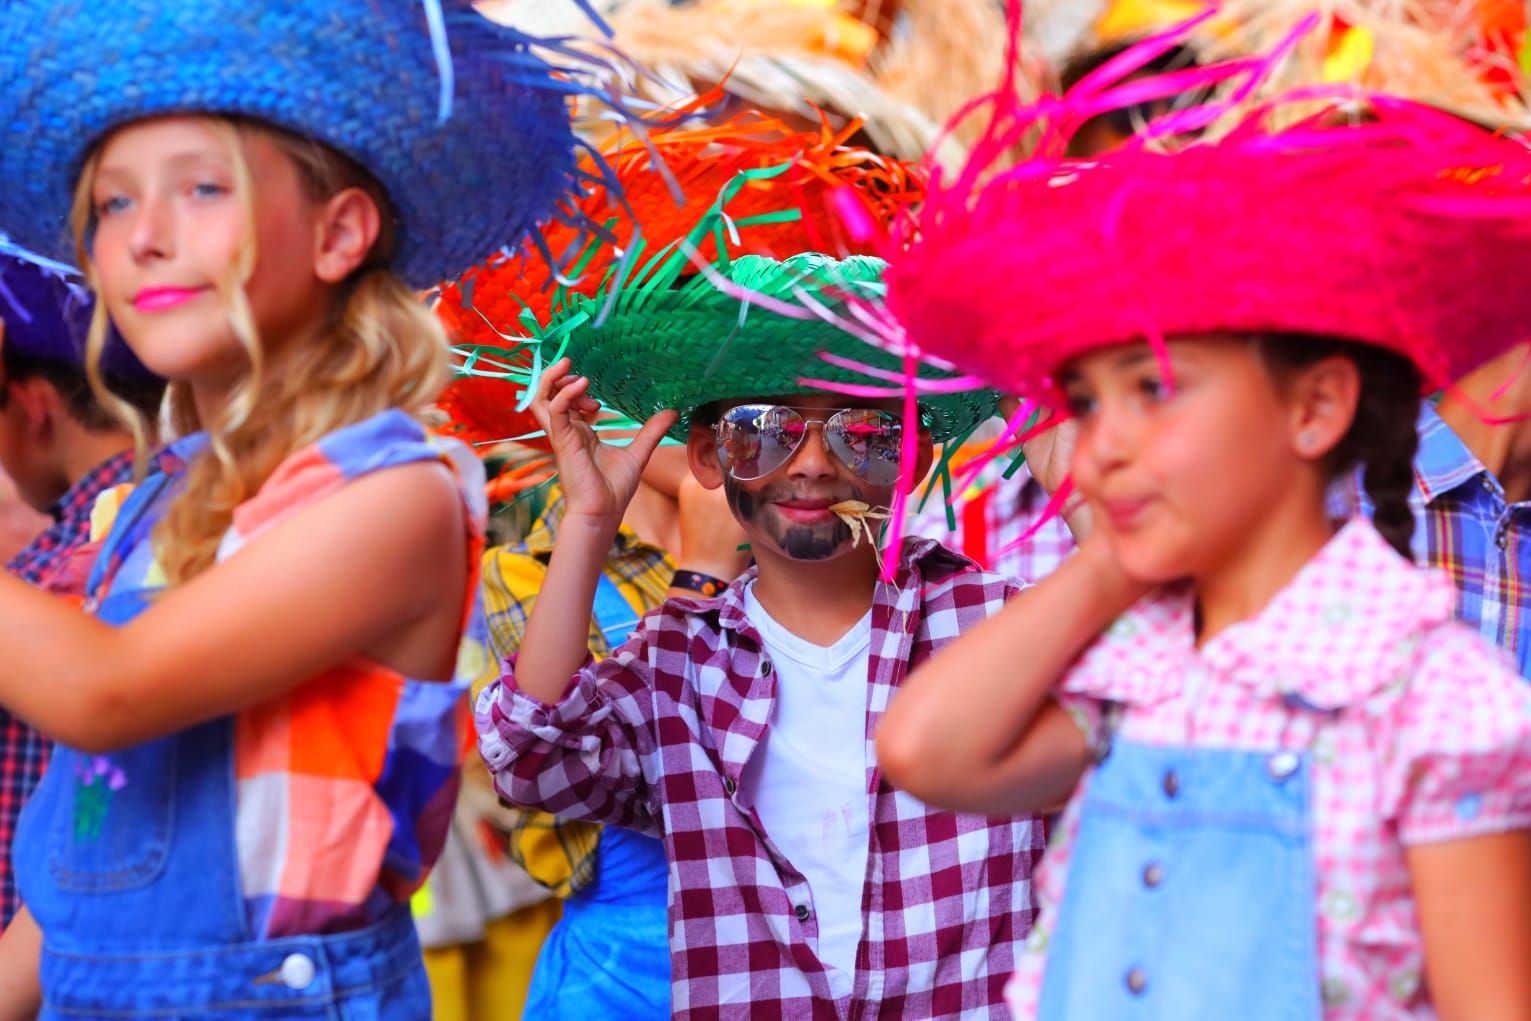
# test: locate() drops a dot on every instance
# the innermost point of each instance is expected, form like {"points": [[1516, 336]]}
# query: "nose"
{"points": [[1105, 440], [812, 459], [149, 235]]}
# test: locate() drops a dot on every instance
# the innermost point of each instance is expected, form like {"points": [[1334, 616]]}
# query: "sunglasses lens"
{"points": [[756, 439], [868, 442]]}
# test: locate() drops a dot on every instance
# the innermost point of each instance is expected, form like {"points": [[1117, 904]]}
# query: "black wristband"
{"points": [[702, 584]]}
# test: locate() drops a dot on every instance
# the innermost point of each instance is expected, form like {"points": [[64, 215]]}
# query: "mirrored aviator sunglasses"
{"points": [[756, 439]]}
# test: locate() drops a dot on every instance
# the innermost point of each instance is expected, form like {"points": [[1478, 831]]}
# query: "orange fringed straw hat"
{"points": [[494, 307]]}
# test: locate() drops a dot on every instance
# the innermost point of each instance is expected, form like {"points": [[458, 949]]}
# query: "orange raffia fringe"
{"points": [[702, 161]]}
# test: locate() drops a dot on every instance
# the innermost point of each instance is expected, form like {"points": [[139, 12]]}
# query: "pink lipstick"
{"points": [[158, 299]]}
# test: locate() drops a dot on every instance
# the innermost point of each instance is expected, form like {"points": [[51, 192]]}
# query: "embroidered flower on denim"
{"points": [[97, 781]]}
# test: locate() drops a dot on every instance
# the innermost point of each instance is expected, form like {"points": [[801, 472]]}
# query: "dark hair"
{"points": [[1383, 437], [1126, 120], [74, 387]]}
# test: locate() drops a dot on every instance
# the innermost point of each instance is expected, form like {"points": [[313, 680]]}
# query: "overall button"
{"points": [[1282, 764], [1136, 981], [1153, 874], [297, 971], [802, 912], [1171, 783]]}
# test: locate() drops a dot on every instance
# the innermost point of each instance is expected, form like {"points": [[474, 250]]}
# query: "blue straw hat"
{"points": [[45, 308], [465, 126]]}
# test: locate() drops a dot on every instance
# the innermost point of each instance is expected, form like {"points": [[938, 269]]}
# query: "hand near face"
{"points": [[598, 479]]}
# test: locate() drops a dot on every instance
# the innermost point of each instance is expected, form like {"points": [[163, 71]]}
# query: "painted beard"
{"points": [[800, 542]]}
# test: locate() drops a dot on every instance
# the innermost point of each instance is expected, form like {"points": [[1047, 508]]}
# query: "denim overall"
{"points": [[609, 955], [1191, 891], [140, 906]]}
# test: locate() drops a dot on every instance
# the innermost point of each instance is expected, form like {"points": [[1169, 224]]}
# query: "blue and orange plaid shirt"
{"points": [[1464, 526], [49, 563]]}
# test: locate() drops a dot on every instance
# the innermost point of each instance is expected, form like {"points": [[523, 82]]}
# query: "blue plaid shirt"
{"points": [[23, 751], [1464, 527]]}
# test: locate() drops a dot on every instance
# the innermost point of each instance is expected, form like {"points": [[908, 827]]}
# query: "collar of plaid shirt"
{"points": [[71, 521], [1443, 462], [657, 738]]}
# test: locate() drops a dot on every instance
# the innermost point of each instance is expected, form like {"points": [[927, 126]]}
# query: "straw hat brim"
{"points": [[690, 346], [361, 77]]}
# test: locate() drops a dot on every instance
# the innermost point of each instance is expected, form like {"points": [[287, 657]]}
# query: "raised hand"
{"points": [[598, 479]]}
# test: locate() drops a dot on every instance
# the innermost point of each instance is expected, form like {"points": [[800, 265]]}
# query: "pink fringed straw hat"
{"points": [[1377, 220]]}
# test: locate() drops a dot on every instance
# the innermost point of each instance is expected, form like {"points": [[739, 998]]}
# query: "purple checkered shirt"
{"points": [[657, 737], [49, 562]]}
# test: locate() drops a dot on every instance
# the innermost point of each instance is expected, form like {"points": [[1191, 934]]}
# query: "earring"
{"points": [[1305, 441]]}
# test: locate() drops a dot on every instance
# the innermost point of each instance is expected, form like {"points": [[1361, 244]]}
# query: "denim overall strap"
{"points": [[609, 955], [1191, 891]]}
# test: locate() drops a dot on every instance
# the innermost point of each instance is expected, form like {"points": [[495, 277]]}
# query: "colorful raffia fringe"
{"points": [[493, 310]]}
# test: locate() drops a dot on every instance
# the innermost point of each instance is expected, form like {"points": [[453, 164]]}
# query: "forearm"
{"points": [[53, 659], [20, 957], [1474, 899], [558, 631], [971, 708]]}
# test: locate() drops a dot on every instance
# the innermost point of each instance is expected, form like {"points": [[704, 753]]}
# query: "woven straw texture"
{"points": [[1462, 55], [496, 306], [361, 76], [1410, 231], [685, 346], [46, 311]]}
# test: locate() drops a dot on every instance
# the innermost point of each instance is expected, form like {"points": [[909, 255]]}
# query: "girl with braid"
{"points": [[1296, 788]]}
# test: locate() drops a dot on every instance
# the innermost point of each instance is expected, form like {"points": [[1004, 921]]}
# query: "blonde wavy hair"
{"points": [[380, 348]]}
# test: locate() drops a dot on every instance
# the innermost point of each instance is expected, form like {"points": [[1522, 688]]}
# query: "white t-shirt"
{"points": [[808, 782]]}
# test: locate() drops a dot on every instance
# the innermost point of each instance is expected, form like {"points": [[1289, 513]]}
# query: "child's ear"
{"points": [[1323, 398], [347, 227], [40, 405], [702, 456]]}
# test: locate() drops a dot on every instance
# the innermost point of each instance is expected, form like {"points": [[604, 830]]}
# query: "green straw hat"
{"points": [[666, 344]]}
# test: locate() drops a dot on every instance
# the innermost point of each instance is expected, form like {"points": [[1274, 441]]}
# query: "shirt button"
{"points": [[1153, 874], [1171, 783], [765, 667], [1502, 538], [729, 786], [297, 971], [1282, 764], [802, 912], [1136, 981]]}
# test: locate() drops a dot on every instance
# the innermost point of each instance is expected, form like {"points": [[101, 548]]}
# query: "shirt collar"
{"points": [[79, 499], [1443, 462], [919, 559], [1345, 627], [539, 540]]}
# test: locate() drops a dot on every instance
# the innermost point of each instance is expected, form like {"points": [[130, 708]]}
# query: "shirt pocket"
{"points": [[113, 817]]}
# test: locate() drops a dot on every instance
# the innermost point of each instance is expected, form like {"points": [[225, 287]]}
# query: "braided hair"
{"points": [[1383, 435]]}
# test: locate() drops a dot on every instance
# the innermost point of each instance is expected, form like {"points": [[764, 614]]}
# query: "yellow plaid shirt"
{"points": [[559, 854]]}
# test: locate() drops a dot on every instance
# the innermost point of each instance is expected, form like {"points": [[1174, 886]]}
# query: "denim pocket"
{"points": [[114, 817]]}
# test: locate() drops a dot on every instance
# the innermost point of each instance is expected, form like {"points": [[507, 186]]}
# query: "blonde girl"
{"points": [[259, 726]]}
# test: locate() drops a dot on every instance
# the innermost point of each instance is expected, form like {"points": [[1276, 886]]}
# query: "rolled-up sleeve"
{"points": [[583, 756]]}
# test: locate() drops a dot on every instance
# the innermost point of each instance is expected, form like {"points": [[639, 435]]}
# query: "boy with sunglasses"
{"points": [[739, 728]]}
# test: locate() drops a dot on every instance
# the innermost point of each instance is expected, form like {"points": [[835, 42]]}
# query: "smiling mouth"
{"points": [[805, 512], [158, 299]]}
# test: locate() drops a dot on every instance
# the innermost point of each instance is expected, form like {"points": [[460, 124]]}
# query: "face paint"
{"points": [[798, 541]]}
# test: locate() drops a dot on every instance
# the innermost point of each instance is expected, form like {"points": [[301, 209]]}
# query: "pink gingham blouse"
{"points": [[1419, 733], [657, 736]]}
